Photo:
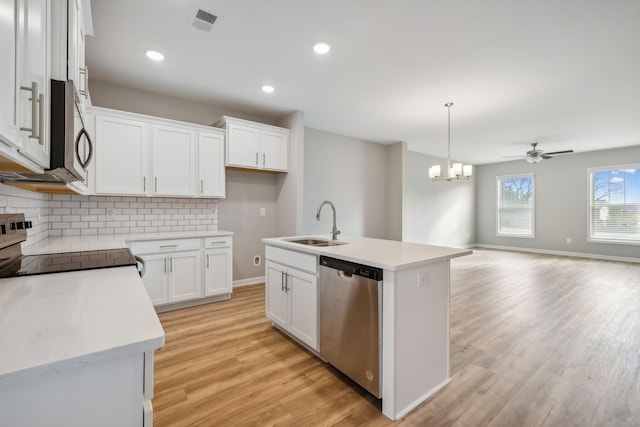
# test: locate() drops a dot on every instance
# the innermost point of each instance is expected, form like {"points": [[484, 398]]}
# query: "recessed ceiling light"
{"points": [[321, 48], [155, 55], [268, 89]]}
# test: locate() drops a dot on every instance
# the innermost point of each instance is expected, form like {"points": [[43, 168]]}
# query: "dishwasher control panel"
{"points": [[348, 267]]}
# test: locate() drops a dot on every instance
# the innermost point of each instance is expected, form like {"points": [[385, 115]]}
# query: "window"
{"points": [[515, 205], [614, 211]]}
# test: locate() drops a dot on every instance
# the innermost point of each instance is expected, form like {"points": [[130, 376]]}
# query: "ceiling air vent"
{"points": [[204, 20]]}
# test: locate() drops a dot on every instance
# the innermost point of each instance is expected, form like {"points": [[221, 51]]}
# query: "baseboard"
{"points": [[559, 253], [249, 281]]}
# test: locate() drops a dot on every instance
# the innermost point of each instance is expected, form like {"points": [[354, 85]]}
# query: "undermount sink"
{"points": [[315, 242]]}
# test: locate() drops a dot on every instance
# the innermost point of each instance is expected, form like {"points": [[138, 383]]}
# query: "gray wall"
{"points": [[561, 202], [352, 174], [395, 189], [290, 184], [436, 213], [247, 192], [124, 98]]}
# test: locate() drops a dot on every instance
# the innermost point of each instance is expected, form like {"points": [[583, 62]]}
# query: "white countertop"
{"points": [[385, 254], [110, 241], [58, 322]]}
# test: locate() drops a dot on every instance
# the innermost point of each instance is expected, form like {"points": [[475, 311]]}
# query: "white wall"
{"points": [[352, 174], [561, 202], [436, 213]]}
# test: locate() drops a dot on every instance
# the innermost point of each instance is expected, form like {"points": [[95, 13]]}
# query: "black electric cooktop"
{"points": [[30, 265]]}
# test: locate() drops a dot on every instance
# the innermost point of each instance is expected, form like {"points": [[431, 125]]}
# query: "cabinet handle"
{"points": [[282, 281], [286, 282], [171, 264], [201, 186], [156, 184], [34, 110], [256, 158], [165, 265], [168, 246], [41, 119], [144, 184], [263, 157], [85, 90], [207, 260]]}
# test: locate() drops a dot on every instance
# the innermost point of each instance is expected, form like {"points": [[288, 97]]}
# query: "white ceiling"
{"points": [[562, 73]]}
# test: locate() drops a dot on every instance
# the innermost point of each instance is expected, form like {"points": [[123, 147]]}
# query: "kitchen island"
{"points": [[415, 307]]}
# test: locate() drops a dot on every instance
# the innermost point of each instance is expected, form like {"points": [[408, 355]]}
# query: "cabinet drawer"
{"points": [[295, 259], [153, 246], [217, 242]]}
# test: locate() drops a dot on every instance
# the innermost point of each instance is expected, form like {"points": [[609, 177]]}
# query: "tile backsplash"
{"points": [[76, 215], [35, 207]]}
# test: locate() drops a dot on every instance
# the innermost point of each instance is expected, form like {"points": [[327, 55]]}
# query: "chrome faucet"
{"points": [[334, 231]]}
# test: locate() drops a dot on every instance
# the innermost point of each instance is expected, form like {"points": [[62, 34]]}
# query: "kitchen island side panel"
{"points": [[420, 334]]}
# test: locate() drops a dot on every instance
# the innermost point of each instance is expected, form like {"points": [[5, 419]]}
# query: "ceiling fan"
{"points": [[534, 155]]}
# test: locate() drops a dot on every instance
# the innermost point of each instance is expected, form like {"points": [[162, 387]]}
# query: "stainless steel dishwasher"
{"points": [[351, 320]]}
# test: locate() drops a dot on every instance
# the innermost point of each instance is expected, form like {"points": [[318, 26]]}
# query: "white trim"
{"points": [[249, 281], [559, 253], [531, 235]]}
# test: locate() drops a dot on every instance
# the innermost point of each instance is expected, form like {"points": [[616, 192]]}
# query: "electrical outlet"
{"points": [[257, 260], [263, 212], [423, 279], [569, 240]]}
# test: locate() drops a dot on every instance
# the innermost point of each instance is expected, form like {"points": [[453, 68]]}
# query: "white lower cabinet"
{"points": [[105, 393], [218, 266], [184, 270], [292, 301]]}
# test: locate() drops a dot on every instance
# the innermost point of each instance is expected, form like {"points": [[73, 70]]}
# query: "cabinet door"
{"points": [[8, 129], [276, 296], [275, 151], [243, 146], [155, 277], [185, 279], [32, 78], [217, 270], [211, 165], [303, 314], [121, 160], [173, 161]]}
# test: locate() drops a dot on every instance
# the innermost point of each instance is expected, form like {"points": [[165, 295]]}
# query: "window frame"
{"points": [[590, 175], [531, 235]]}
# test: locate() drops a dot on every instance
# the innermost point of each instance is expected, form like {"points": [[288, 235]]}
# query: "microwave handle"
{"points": [[84, 163]]}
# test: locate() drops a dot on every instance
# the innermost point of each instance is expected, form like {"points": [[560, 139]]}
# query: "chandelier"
{"points": [[456, 170]]}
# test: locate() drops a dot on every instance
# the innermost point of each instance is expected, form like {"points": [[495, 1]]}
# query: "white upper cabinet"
{"points": [[211, 164], [252, 145], [70, 24], [121, 156], [24, 81], [148, 156], [173, 161]]}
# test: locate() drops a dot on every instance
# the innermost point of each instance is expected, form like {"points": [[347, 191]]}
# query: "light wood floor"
{"points": [[536, 340]]}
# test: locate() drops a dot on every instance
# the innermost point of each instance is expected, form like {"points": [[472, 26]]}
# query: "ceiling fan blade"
{"points": [[559, 152], [519, 157], [546, 156]]}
